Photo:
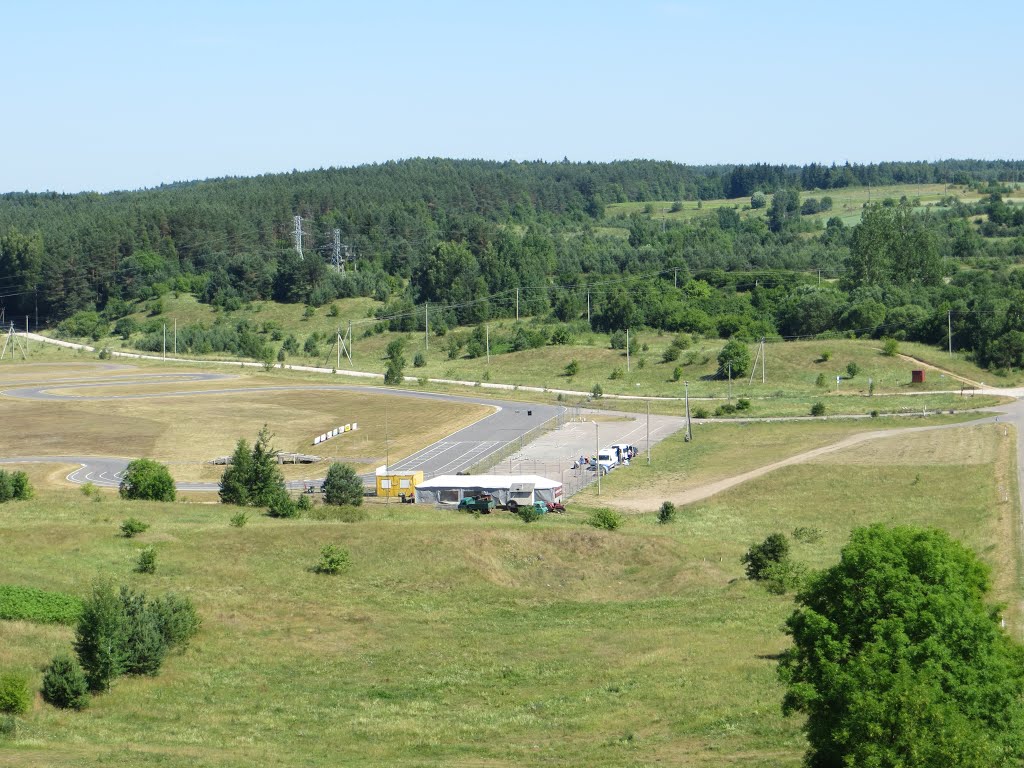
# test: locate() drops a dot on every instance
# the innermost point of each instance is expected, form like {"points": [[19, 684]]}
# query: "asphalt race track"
{"points": [[454, 453]]}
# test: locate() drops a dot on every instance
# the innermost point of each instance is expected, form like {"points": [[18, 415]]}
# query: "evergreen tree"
{"points": [[234, 483]]}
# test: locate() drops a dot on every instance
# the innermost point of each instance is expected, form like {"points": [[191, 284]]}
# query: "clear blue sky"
{"points": [[122, 95]]}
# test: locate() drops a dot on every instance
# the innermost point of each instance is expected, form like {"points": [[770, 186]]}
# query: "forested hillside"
{"points": [[478, 238]]}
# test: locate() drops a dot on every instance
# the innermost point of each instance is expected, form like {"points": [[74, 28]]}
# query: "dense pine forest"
{"points": [[476, 238]]}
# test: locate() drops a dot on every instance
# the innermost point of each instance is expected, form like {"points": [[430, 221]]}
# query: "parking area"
{"points": [[554, 453]]}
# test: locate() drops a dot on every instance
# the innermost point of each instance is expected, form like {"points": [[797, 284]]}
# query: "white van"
{"points": [[607, 459]]}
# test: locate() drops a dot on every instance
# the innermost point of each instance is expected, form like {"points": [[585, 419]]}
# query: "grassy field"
{"points": [[456, 640], [847, 203]]}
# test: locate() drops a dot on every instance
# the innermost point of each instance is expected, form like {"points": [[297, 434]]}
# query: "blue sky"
{"points": [[119, 95]]}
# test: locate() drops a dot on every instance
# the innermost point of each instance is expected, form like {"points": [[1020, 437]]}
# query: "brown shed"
{"points": [[917, 377]]}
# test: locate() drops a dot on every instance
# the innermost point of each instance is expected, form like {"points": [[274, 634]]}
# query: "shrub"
{"points": [[825, 356], [617, 373], [618, 340], [15, 697], [176, 618], [527, 513], [239, 520], [670, 355], [605, 518], [147, 561], [700, 412], [282, 506], [890, 347], [343, 486], [419, 360], [147, 479], [818, 409], [852, 369], [304, 503], [743, 404], [783, 576], [572, 368], [333, 311], [874, 414], [821, 381], [20, 486], [14, 485], [774, 549], [596, 392], [808, 535], [667, 513], [27, 604], [677, 373], [130, 527], [64, 683], [725, 409], [333, 559], [89, 489]]}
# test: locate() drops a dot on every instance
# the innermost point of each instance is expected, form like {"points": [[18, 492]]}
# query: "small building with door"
{"points": [[449, 490], [392, 483]]}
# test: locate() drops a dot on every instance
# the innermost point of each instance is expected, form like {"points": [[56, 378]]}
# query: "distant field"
{"points": [[455, 640], [847, 203]]}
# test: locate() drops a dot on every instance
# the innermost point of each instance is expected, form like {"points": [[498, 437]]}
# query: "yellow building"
{"points": [[392, 483]]}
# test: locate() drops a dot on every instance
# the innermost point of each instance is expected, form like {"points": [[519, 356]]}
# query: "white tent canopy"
{"points": [[450, 489]]}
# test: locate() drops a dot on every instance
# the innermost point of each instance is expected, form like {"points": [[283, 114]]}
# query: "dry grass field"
{"points": [[186, 427]]}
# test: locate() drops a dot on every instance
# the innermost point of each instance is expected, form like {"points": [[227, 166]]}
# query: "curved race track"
{"points": [[454, 453]]}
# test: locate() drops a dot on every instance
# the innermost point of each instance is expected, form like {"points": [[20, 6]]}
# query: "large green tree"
{"points": [[892, 245], [147, 479], [342, 485], [897, 660], [734, 359], [253, 477]]}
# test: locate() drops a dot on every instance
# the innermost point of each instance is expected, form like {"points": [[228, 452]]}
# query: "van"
{"points": [[608, 457]]}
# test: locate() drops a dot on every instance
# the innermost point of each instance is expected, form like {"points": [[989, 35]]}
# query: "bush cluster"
{"points": [[605, 519], [333, 559], [15, 697], [122, 632], [132, 527], [769, 562], [14, 486]]}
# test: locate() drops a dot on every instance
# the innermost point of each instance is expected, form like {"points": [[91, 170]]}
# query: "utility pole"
{"points": [[597, 455], [949, 329], [627, 350], [517, 305], [487, 336], [297, 221], [764, 360], [387, 453], [426, 327], [675, 277], [339, 265], [175, 337], [730, 381], [686, 400], [588, 307], [648, 433], [165, 341]]}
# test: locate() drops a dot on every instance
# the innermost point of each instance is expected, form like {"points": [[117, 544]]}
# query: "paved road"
{"points": [[508, 422]]}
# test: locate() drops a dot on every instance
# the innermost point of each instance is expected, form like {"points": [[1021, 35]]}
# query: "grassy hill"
{"points": [[462, 640]]}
